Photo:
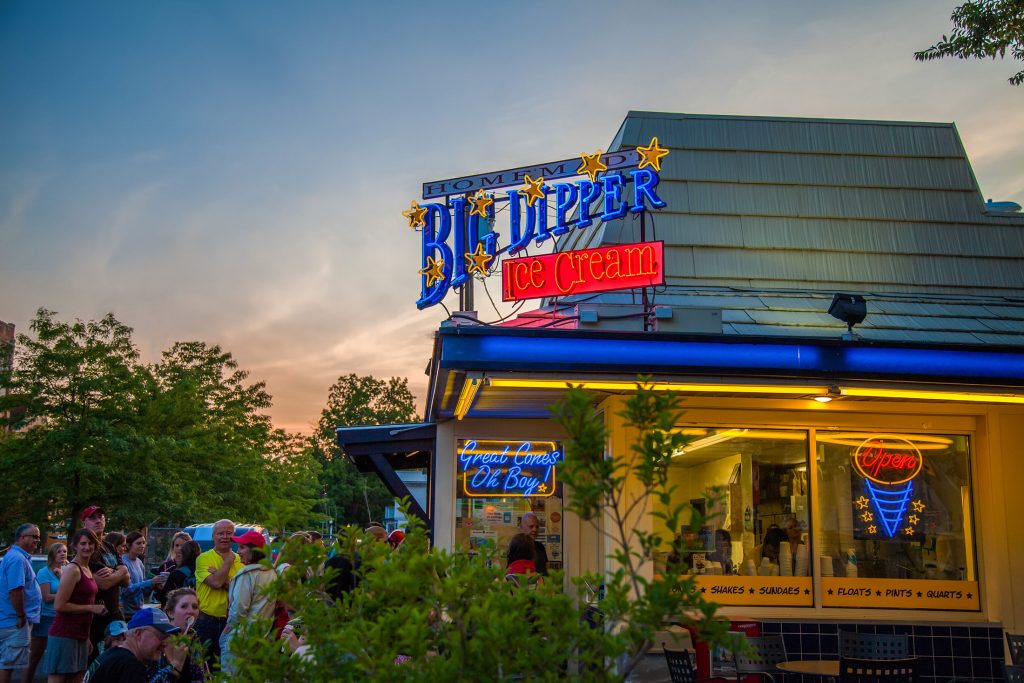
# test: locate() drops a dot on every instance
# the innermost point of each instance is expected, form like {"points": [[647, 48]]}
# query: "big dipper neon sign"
{"points": [[889, 464], [455, 247]]}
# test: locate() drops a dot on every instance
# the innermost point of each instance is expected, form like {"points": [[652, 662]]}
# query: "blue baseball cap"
{"points": [[152, 617], [116, 628]]}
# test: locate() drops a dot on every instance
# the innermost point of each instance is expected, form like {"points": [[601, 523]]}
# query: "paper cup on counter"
{"points": [[826, 565]]}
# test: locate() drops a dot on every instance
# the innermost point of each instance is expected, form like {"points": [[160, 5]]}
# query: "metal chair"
{"points": [[1014, 672], [853, 670], [1016, 643], [873, 646], [765, 652], [680, 666]]}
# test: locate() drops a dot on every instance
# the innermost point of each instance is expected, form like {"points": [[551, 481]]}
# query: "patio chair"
{"points": [[1016, 643], [877, 670], [873, 646], [765, 653], [680, 666], [1014, 673]]}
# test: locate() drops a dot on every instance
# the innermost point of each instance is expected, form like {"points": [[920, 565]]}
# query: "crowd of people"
{"points": [[88, 615]]}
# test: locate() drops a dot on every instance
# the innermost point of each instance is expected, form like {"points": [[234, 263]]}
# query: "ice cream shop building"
{"points": [[841, 312]]}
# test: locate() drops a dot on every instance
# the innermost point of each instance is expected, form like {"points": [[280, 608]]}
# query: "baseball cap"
{"points": [[116, 628], [152, 617], [250, 537], [92, 510], [396, 537]]}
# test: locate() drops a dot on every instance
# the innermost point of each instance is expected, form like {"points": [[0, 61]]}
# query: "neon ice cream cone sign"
{"points": [[889, 464]]}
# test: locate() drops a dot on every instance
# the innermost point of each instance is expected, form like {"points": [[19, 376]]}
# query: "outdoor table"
{"points": [[826, 668]]}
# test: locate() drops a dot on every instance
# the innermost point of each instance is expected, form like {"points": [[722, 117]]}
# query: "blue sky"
{"points": [[234, 171]]}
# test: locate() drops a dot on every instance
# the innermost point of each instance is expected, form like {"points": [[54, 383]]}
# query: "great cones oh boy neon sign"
{"points": [[458, 239]]}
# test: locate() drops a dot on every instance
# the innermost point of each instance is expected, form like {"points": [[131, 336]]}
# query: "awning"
{"points": [[386, 449]]}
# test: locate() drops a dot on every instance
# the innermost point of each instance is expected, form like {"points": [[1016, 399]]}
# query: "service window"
{"points": [[498, 481], [895, 521], [756, 548]]}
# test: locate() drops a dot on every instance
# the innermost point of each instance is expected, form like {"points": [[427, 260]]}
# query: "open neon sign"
{"points": [[508, 468], [888, 464]]}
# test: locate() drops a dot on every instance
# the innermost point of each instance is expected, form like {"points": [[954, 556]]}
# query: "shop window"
{"points": [[755, 549], [895, 522], [497, 483]]}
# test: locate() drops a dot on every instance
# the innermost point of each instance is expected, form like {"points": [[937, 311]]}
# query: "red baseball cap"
{"points": [[250, 537], [91, 511]]}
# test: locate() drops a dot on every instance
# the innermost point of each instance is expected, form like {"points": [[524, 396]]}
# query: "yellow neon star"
{"points": [[651, 155], [862, 503], [480, 202], [872, 529], [909, 531], [416, 214], [532, 189], [477, 261], [913, 519], [867, 517], [592, 165], [542, 488], [434, 270], [918, 506]]}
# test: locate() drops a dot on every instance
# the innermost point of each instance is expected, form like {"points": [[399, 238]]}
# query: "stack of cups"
{"points": [[749, 568], [785, 559], [826, 565], [766, 567], [801, 561]]}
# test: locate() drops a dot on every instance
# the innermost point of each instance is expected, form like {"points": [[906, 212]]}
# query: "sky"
{"points": [[234, 172]]}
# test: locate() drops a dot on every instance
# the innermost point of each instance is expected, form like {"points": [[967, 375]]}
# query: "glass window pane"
{"points": [[895, 509], [755, 547]]}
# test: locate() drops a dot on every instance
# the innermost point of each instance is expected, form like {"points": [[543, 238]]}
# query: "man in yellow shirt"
{"points": [[214, 570]]}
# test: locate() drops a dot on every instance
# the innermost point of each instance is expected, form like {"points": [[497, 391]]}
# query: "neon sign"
{"points": [[458, 239], [888, 464], [508, 468], [579, 272]]}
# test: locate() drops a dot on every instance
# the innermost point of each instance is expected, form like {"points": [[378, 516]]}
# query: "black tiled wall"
{"points": [[945, 651]]}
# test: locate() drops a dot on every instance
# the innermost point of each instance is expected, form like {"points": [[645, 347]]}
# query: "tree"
{"points": [[352, 401], [180, 441], [983, 28]]}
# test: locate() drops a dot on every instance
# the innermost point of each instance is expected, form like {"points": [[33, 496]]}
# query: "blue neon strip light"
{"points": [[891, 503], [569, 353]]}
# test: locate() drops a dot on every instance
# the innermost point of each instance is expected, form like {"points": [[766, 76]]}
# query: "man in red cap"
{"points": [[110, 574]]}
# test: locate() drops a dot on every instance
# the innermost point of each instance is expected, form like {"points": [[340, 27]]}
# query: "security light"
{"points": [[850, 308]]}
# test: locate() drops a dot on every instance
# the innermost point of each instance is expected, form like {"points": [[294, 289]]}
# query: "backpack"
{"points": [[190, 578]]}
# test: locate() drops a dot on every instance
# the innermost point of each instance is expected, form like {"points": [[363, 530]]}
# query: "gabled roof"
{"points": [[768, 217]]}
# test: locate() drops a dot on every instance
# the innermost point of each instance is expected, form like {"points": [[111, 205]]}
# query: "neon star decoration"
{"points": [[480, 202], [872, 529], [592, 165], [476, 262], [651, 155], [918, 506], [862, 503], [416, 214], [433, 271], [533, 190], [867, 517], [909, 531], [913, 519]]}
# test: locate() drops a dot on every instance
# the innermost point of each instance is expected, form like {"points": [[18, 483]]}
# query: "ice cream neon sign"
{"points": [[507, 468], [458, 239], [889, 465]]}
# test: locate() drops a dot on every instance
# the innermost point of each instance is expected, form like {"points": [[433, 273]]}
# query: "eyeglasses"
{"points": [[35, 536]]}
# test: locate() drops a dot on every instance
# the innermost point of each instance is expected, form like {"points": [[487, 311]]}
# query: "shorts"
{"points": [[14, 647], [65, 656], [42, 629]]}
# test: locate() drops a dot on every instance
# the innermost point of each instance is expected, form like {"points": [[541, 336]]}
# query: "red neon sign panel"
{"points": [[890, 460], [624, 266]]}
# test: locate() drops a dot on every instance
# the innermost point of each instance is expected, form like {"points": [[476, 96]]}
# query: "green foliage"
{"points": [[451, 613], [613, 492], [357, 498], [179, 441], [456, 618], [983, 28]]}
